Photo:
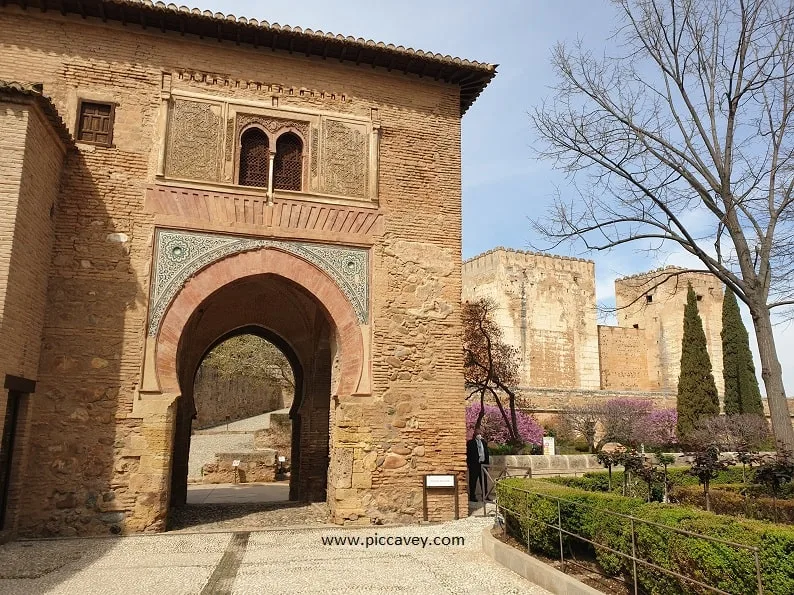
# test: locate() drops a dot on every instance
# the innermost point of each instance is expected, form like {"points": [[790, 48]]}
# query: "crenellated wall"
{"points": [[547, 310], [546, 307]]}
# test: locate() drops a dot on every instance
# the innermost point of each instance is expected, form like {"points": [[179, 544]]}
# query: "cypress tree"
{"points": [[697, 393], [741, 384]]}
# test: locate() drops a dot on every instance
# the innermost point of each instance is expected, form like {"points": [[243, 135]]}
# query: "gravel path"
{"points": [[283, 561]]}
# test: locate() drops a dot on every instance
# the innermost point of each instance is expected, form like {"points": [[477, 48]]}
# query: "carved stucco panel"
{"points": [[273, 125], [344, 158], [179, 255], [194, 140]]}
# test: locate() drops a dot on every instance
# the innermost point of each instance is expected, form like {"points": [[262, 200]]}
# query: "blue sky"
{"points": [[503, 184]]}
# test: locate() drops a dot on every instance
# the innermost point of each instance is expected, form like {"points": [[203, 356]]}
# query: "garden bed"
{"points": [[530, 509], [729, 493]]}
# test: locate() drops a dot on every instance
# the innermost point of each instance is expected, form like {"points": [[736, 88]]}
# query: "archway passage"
{"points": [[242, 393], [307, 315], [291, 318]]}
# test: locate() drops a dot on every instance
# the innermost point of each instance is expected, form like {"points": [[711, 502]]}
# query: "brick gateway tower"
{"points": [[188, 176]]}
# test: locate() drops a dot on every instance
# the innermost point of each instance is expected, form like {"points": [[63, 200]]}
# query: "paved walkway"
{"points": [[238, 493], [279, 561], [206, 443]]}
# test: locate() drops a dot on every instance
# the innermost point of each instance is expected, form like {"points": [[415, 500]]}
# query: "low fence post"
{"points": [[483, 475], [559, 528], [634, 556], [758, 572]]}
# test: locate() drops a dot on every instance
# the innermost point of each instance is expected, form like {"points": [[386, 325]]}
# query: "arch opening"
{"points": [[301, 310], [242, 396], [281, 313]]}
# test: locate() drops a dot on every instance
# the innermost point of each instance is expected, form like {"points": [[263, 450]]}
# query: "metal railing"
{"points": [[488, 481], [490, 475], [632, 557]]}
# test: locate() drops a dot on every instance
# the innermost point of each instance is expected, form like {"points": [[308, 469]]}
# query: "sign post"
{"points": [[439, 481], [548, 445]]}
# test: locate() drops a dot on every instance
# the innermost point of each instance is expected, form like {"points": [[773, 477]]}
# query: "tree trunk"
{"points": [[772, 374]]}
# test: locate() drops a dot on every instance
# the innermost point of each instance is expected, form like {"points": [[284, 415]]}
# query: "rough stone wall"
{"points": [[97, 467], [622, 356], [662, 320], [31, 156], [217, 396], [547, 310]]}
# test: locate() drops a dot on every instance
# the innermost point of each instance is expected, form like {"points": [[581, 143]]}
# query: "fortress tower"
{"points": [[546, 308], [653, 304]]}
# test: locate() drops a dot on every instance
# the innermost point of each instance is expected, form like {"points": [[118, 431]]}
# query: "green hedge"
{"points": [[728, 568], [728, 499], [598, 481]]}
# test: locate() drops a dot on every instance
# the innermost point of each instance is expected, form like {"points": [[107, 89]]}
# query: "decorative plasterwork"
{"points": [[179, 255], [194, 140], [344, 158], [271, 124]]}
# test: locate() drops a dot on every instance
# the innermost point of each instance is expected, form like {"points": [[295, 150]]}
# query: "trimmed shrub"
{"points": [[729, 500], [598, 481], [726, 567]]}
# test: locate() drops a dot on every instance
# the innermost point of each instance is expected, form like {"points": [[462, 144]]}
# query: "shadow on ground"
{"points": [[249, 515]]}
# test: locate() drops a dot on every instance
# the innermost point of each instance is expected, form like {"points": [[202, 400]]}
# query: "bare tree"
{"points": [[582, 421], [684, 139], [490, 365]]}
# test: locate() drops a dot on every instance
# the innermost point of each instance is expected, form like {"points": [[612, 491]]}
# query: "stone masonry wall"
{"points": [[622, 358], [662, 320], [546, 308], [217, 396], [91, 458]]}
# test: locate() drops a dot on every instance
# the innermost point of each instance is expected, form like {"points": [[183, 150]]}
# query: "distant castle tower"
{"points": [[546, 307], [547, 310], [654, 303]]}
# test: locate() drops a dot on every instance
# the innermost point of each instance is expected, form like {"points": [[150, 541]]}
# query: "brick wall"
{"points": [[31, 156], [87, 480]]}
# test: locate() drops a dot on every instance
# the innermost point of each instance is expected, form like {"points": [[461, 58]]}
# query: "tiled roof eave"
{"points": [[16, 91], [471, 76]]}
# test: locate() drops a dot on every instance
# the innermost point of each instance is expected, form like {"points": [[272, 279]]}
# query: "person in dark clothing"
{"points": [[476, 457]]}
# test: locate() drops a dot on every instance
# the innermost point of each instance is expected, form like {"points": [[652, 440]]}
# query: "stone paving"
{"points": [[236, 436], [275, 561]]}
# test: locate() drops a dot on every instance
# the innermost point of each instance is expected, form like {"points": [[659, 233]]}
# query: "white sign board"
{"points": [[439, 481], [282, 459], [236, 463], [548, 445]]}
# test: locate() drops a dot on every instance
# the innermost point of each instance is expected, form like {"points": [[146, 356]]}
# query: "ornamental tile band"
{"points": [[181, 254]]}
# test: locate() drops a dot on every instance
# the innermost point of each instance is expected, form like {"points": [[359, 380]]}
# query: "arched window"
{"points": [[288, 166], [254, 158]]}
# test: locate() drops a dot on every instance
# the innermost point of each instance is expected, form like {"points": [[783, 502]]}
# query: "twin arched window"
{"points": [[255, 160]]}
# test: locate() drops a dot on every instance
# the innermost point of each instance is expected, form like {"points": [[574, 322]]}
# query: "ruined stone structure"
{"points": [[180, 177], [547, 309]]}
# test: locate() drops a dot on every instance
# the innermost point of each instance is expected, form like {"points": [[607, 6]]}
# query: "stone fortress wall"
{"points": [[546, 305]]}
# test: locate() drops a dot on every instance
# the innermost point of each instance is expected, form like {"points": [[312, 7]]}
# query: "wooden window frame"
{"points": [[112, 119]]}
